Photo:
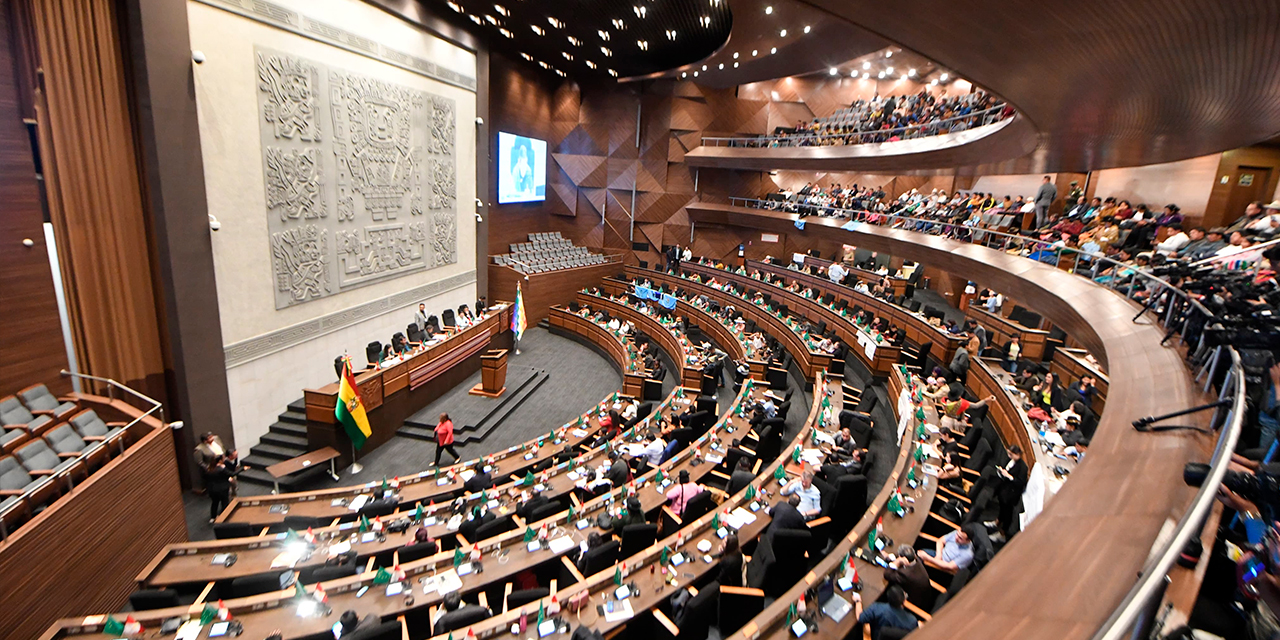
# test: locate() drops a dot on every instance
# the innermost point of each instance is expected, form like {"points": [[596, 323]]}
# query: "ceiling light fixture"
{"points": [[695, 74], [618, 24], [684, 75], [538, 30], [705, 21], [773, 49], [501, 9], [566, 55], [604, 35], [640, 11], [455, 6], [735, 55], [560, 73], [526, 57], [735, 65], [807, 28], [671, 34], [544, 65], [880, 75], [888, 54], [492, 20], [865, 76], [506, 33], [590, 64], [889, 70], [933, 82], [768, 10], [607, 53], [783, 33], [866, 65], [833, 71], [476, 19], [643, 44], [613, 73], [754, 53], [574, 41], [704, 67], [944, 77], [721, 65], [555, 23], [912, 73]]}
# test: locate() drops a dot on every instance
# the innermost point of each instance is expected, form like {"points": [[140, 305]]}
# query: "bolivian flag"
{"points": [[518, 319], [350, 411]]}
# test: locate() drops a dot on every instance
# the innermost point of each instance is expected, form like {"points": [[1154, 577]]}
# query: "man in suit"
{"points": [[618, 472], [786, 515], [1045, 197], [741, 476], [479, 482], [420, 317], [456, 615], [908, 572]]}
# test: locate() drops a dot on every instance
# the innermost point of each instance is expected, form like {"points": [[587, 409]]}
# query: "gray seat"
{"points": [[64, 439], [38, 398], [11, 435], [13, 477], [37, 456], [90, 425], [13, 414]]}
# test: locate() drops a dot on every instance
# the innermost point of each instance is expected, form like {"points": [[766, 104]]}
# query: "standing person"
{"points": [[673, 259], [1045, 197], [420, 317], [444, 438], [217, 482], [1013, 481]]}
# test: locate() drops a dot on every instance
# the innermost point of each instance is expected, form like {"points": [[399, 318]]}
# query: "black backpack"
{"points": [[952, 511]]}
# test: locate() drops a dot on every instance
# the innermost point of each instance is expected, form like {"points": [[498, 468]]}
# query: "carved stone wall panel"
{"points": [[381, 156]]}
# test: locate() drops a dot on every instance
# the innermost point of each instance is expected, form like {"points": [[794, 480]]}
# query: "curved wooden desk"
{"points": [[886, 355], [1106, 519], [633, 371], [810, 362], [918, 329], [676, 349]]}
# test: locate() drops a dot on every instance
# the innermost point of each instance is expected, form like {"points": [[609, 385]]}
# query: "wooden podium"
{"points": [[493, 374]]}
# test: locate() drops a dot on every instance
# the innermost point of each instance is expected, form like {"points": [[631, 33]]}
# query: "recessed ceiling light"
{"points": [[492, 20], [640, 10], [606, 52], [943, 77], [560, 73], [704, 67], [618, 24], [684, 75], [933, 82], [768, 10], [476, 19], [889, 70], [544, 65], [902, 77], [536, 29], [853, 74], [574, 41], [773, 49], [566, 55], [807, 28], [783, 33], [888, 54], [455, 6], [866, 65], [865, 76], [695, 74], [613, 73], [555, 23], [505, 33], [705, 21], [643, 44], [526, 57], [501, 9], [735, 55], [721, 65], [590, 64], [604, 35], [880, 75], [754, 52], [912, 73], [671, 34], [735, 65], [833, 71]]}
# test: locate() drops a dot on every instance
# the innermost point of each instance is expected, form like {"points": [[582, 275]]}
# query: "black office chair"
{"points": [[312, 575], [300, 523], [389, 630], [448, 318], [600, 558], [776, 378], [700, 421], [373, 353], [770, 443], [517, 599], [779, 562], [148, 599], [491, 529], [380, 508], [254, 585], [958, 581], [699, 613], [637, 538], [848, 502], [418, 551], [414, 333], [468, 529], [894, 633], [545, 511], [228, 530], [465, 616], [698, 506]]}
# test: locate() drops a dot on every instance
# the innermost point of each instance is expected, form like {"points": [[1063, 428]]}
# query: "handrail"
{"points": [[978, 235], [118, 438], [1149, 589], [793, 140]]}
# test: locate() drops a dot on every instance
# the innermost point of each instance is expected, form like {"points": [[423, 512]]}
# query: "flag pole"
{"points": [[356, 467]]}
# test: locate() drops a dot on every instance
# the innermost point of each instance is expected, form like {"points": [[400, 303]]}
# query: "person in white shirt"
{"points": [[629, 411], [652, 450], [836, 272], [614, 324], [1174, 242], [810, 498], [687, 256], [995, 303]]}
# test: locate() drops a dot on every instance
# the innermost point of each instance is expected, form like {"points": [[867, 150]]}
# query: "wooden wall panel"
{"points": [[83, 553], [543, 290], [31, 347]]}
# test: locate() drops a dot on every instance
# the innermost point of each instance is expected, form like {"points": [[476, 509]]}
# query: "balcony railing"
{"points": [[976, 119]]}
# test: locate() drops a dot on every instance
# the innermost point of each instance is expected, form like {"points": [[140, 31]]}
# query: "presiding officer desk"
{"points": [[1102, 523], [399, 388]]}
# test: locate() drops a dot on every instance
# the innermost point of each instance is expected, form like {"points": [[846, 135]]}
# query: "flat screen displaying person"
{"points": [[522, 182]]}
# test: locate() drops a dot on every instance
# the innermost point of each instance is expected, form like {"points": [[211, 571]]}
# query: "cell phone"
{"points": [[362, 591]]}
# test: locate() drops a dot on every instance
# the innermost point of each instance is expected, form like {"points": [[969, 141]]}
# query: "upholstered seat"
{"points": [[37, 398], [14, 414], [64, 439], [37, 456], [91, 427]]}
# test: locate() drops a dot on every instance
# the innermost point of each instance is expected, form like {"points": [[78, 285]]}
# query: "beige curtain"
{"points": [[95, 193]]}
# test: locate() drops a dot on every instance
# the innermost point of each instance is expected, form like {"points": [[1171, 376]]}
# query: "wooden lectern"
{"points": [[493, 374]]}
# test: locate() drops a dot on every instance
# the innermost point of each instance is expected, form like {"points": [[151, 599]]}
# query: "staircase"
{"points": [[286, 439], [481, 429]]}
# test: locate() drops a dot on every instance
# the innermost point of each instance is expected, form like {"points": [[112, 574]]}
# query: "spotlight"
{"points": [[768, 10], [833, 71]]}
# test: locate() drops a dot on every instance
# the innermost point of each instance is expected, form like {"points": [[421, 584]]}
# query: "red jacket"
{"points": [[444, 432]]}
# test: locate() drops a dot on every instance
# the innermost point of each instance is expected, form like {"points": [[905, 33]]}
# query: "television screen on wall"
{"points": [[522, 169]]}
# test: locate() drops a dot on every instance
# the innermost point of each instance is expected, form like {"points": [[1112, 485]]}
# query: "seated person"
{"points": [[422, 536], [741, 476], [953, 552], [786, 515], [479, 482], [651, 450], [1070, 432], [455, 615], [1047, 395], [810, 497], [682, 492], [1077, 451], [731, 562], [889, 614], [619, 472], [594, 539], [633, 514], [908, 572]]}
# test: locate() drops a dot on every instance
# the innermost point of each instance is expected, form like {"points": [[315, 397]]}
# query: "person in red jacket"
{"points": [[444, 438]]}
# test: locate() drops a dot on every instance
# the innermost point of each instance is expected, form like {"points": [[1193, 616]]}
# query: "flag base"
{"points": [[356, 467]]}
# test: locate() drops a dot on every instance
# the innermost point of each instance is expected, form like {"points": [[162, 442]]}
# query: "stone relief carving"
{"points": [[386, 159], [290, 84], [293, 183], [301, 260]]}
